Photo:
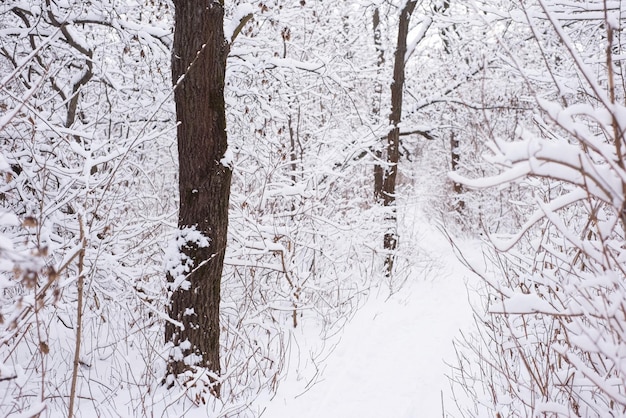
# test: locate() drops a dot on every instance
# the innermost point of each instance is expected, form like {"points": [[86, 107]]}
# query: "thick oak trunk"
{"points": [[198, 66]]}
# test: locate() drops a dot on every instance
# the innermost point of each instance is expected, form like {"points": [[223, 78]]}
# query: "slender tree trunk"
{"points": [[393, 137], [455, 156], [378, 91], [199, 57]]}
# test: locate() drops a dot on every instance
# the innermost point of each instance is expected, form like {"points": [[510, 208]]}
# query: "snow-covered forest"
{"points": [[281, 208]]}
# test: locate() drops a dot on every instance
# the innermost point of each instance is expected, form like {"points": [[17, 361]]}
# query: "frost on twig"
{"points": [[550, 334]]}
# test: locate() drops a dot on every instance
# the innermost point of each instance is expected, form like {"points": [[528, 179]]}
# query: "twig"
{"points": [[79, 320]]}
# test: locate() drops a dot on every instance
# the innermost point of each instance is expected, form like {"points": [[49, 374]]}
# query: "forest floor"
{"points": [[392, 358]]}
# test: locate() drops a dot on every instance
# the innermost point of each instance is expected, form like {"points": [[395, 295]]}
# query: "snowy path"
{"points": [[390, 360]]}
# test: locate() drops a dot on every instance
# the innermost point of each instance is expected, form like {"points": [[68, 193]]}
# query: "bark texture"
{"points": [[378, 91], [393, 137], [199, 57]]}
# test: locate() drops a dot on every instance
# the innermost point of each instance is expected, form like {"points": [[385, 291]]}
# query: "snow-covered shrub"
{"points": [[300, 198], [551, 335], [78, 289]]}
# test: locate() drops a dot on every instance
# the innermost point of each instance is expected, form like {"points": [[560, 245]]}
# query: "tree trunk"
{"points": [[393, 137], [455, 155], [198, 66], [378, 91]]}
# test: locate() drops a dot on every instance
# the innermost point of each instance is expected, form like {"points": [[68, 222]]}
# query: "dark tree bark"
{"points": [[455, 156], [378, 91], [393, 137], [455, 159], [198, 67]]}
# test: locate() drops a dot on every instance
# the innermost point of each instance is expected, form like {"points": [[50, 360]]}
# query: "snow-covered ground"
{"points": [[390, 360]]}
